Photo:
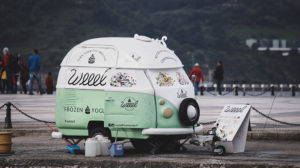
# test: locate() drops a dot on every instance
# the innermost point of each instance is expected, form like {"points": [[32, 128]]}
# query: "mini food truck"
{"points": [[133, 88]]}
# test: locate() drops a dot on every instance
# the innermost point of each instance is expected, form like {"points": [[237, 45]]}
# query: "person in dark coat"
{"points": [[24, 74], [49, 83], [218, 76]]}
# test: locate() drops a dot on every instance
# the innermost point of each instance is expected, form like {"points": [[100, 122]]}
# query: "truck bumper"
{"points": [[171, 131]]}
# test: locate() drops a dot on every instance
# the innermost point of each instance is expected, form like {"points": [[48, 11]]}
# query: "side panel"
{"points": [[129, 110], [172, 86], [75, 108]]}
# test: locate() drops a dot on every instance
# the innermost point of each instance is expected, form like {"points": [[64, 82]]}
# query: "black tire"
{"points": [[222, 150], [99, 131], [183, 115], [143, 145], [157, 144]]}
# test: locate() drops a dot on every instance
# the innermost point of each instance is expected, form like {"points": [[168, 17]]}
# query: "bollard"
{"points": [[293, 90], [272, 90], [201, 90], [236, 88], [215, 87], [8, 116], [244, 89]]}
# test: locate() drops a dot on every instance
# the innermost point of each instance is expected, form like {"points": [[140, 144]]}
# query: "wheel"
{"points": [[189, 112], [158, 144], [144, 145], [100, 131], [220, 150]]}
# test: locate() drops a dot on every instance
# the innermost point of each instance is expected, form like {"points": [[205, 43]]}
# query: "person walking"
{"points": [[24, 74], [7, 69], [218, 76], [196, 75], [49, 83], [34, 64]]}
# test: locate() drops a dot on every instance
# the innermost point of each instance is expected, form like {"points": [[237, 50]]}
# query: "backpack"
{"points": [[13, 64]]}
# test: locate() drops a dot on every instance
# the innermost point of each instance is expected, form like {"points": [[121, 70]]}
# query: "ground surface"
{"points": [[39, 149], [284, 108], [271, 153]]}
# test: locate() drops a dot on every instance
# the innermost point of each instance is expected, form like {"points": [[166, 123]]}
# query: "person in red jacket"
{"points": [[196, 76], [7, 68], [49, 83]]}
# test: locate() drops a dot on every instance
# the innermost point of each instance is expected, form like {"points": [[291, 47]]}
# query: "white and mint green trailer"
{"points": [[134, 86]]}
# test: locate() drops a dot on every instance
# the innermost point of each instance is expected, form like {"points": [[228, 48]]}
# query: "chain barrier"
{"points": [[260, 94], [228, 92], [215, 94], [211, 93], [2, 106], [206, 123], [33, 118], [273, 119], [27, 115], [264, 115]]}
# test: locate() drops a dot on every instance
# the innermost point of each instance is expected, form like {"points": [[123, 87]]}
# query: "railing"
{"points": [[250, 89]]}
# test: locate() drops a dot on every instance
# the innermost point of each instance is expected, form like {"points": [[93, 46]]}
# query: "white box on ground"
{"points": [[232, 127]]}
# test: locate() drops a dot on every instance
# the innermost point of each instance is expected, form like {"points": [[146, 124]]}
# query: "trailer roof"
{"points": [[139, 52]]}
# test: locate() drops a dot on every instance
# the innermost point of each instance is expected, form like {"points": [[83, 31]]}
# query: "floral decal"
{"points": [[163, 79], [122, 80], [181, 79]]}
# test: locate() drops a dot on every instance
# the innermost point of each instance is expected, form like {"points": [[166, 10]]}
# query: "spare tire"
{"points": [[189, 112]]}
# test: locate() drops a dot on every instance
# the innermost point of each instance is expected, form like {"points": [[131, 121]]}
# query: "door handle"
{"points": [[109, 99]]}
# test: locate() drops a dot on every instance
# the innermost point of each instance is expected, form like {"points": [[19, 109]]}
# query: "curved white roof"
{"points": [[139, 52]]}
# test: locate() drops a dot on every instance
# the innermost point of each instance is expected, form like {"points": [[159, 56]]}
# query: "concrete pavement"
{"points": [[43, 151], [284, 108], [34, 147]]}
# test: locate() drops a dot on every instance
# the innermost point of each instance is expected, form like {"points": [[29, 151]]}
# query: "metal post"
{"points": [[201, 90], [8, 116], [244, 89], [293, 90], [272, 91], [236, 90]]}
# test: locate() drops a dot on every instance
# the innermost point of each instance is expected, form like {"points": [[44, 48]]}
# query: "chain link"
{"points": [[262, 93], [38, 120], [2, 106], [273, 119]]}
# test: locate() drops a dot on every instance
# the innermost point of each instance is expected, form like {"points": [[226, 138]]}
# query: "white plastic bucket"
{"points": [[91, 146], [105, 146]]}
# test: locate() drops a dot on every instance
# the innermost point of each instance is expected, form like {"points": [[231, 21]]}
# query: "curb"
{"points": [[264, 135], [27, 132], [118, 163], [252, 135]]}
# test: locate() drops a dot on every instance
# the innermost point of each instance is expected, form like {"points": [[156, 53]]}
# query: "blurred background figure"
{"points": [[2, 71], [196, 76], [34, 64], [24, 74], [218, 76], [49, 83], [8, 74], [15, 70]]}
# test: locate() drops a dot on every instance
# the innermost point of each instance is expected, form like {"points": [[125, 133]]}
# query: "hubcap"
{"points": [[191, 112]]}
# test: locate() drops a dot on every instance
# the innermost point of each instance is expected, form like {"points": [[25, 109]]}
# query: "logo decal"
{"points": [[87, 110], [87, 79], [129, 103], [181, 93], [91, 59], [163, 79], [122, 80]]}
